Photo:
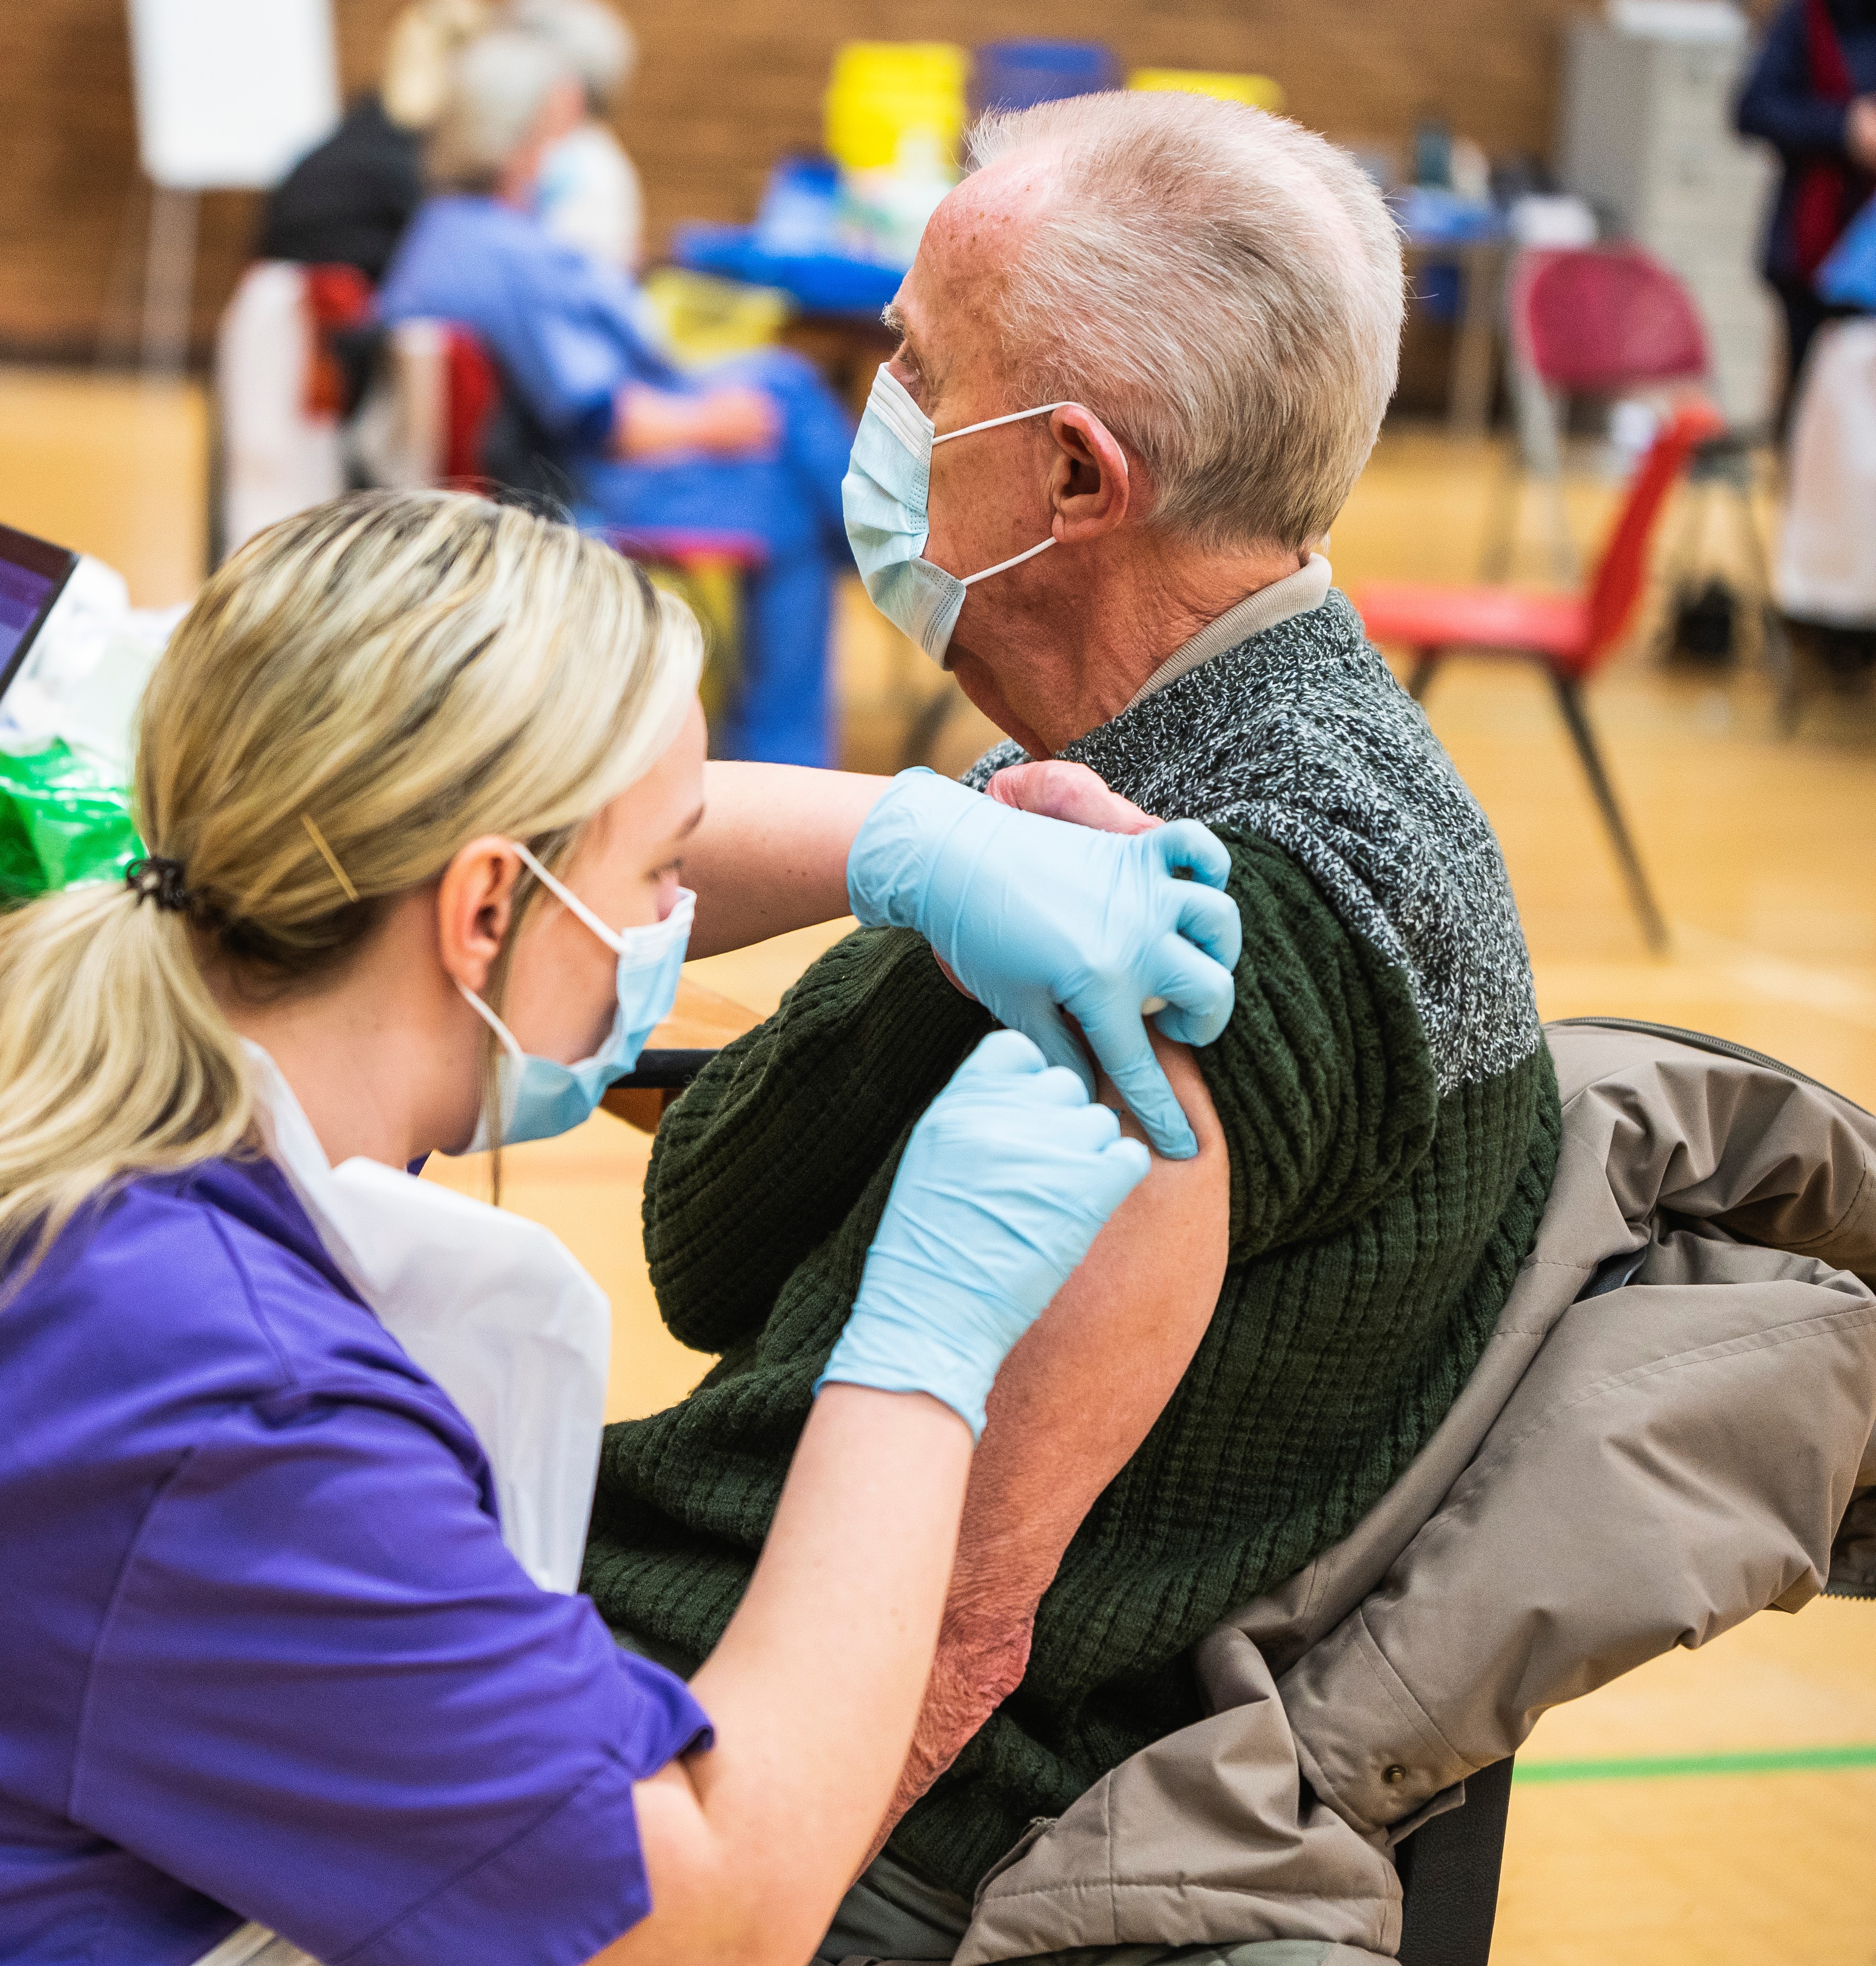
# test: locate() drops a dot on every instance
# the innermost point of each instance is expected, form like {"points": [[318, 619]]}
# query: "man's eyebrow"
{"points": [[893, 318], [690, 825]]}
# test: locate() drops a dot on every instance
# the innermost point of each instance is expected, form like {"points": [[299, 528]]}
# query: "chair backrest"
{"points": [[1617, 584], [474, 386], [339, 299], [1596, 321], [424, 418], [280, 444]]}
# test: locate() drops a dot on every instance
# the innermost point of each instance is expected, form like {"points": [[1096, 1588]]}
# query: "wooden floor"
{"points": [[1760, 849]]}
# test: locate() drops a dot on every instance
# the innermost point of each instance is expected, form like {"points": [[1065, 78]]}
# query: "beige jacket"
{"points": [[1665, 1435]]}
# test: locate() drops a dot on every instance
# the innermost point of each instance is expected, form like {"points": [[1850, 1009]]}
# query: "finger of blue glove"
{"points": [[1211, 920], [1044, 1023], [1004, 1054], [1052, 1090], [1126, 1053], [1200, 994], [1123, 1166], [1091, 1129], [1186, 844]]}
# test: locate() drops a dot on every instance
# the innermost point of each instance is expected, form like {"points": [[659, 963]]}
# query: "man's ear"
{"points": [[475, 907], [1090, 490]]}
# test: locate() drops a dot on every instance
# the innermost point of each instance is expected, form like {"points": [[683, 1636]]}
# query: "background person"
{"points": [[589, 196], [1813, 95], [760, 447], [413, 767], [349, 201]]}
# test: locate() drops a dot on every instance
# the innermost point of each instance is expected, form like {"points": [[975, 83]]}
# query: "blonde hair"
{"points": [[359, 691], [1222, 287], [420, 51]]}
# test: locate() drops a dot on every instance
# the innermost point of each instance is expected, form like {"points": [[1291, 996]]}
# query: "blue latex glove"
{"points": [[1036, 916], [1004, 1184]]}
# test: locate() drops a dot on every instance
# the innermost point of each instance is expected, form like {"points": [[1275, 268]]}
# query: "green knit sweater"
{"points": [[1392, 1122]]}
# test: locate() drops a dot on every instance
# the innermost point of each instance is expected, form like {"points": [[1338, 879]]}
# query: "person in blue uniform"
{"points": [[760, 449], [289, 1521], [1812, 94]]}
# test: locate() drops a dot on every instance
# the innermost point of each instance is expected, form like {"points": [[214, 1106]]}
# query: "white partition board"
{"points": [[231, 93]]}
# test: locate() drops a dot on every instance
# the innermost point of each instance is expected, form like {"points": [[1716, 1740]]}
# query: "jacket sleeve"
{"points": [[1323, 1080], [1778, 102], [769, 1151]]}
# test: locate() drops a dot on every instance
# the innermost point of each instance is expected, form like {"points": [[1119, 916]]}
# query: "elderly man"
{"points": [[1169, 327]]}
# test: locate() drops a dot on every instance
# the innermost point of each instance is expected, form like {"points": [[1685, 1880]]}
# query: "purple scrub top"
{"points": [[263, 1653]]}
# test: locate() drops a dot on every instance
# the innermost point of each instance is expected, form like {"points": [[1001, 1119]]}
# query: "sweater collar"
{"points": [[1295, 594]]}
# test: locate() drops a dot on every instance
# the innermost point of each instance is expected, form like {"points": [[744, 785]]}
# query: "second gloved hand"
{"points": [[1037, 918], [1005, 1184]]}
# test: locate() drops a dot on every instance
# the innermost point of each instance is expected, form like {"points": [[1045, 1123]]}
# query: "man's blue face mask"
{"points": [[884, 496], [540, 1097]]}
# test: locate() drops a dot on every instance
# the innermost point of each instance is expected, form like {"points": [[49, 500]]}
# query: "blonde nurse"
{"points": [[295, 1450]]}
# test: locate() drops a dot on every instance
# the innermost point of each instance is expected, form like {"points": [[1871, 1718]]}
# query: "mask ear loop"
{"points": [[621, 942], [1003, 566], [1014, 417], [509, 1043], [570, 900]]}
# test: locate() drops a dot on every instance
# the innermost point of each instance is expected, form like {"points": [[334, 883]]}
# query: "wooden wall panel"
{"points": [[723, 90], [73, 206]]}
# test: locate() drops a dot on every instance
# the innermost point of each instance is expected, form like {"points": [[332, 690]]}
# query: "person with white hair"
{"points": [[589, 196], [594, 416], [1145, 351]]}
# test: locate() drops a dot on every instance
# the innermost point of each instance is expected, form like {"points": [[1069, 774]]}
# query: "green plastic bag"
{"points": [[60, 823]]}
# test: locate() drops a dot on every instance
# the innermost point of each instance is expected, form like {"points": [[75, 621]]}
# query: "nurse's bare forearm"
{"points": [[1073, 1402], [771, 854], [812, 1691]]}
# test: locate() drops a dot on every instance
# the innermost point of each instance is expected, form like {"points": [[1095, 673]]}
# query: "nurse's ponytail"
{"points": [[357, 692]]}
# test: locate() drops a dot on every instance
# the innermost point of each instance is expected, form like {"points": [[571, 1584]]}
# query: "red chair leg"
{"points": [[1421, 677], [921, 741], [1570, 701]]}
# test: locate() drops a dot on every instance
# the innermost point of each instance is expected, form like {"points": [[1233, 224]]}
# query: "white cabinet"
{"points": [[1647, 137]]}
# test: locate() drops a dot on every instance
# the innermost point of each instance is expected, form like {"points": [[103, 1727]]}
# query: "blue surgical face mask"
{"points": [[540, 1097], [884, 496]]}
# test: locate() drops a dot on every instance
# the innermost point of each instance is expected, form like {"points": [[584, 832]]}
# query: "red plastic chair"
{"points": [[1596, 321], [1584, 321], [1571, 635]]}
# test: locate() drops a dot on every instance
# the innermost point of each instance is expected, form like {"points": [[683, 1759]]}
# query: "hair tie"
{"points": [[155, 879]]}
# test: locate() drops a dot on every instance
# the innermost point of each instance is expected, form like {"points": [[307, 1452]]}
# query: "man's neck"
{"points": [[1070, 653]]}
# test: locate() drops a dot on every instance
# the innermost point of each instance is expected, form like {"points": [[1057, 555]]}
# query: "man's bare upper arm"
{"points": [[1081, 1392], [1072, 1404]]}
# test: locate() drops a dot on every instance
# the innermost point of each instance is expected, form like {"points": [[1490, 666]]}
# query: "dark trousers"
{"points": [[1805, 313]]}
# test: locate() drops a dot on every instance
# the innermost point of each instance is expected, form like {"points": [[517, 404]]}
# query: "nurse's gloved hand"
{"points": [[1005, 1184], [1037, 918]]}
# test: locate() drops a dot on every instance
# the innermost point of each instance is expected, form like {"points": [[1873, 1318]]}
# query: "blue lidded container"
{"points": [[1016, 75]]}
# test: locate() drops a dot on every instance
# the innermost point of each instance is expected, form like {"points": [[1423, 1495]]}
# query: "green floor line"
{"points": [[1747, 1762]]}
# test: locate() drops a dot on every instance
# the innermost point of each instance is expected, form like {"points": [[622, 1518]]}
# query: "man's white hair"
{"points": [[1222, 288], [595, 39], [497, 92]]}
